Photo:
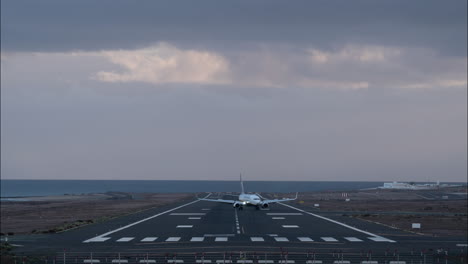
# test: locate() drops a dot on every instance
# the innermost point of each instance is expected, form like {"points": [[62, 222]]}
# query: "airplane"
{"points": [[248, 199]]}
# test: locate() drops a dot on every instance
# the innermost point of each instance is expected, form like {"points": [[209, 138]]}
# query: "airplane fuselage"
{"points": [[250, 199]]}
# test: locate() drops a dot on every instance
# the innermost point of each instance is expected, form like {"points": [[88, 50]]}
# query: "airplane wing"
{"points": [[279, 200], [219, 200]]}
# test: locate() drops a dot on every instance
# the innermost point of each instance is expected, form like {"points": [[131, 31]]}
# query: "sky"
{"points": [[204, 90]]}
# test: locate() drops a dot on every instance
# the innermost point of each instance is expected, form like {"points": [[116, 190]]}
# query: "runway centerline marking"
{"points": [[278, 218], [375, 237], [184, 226], [194, 218], [237, 221], [138, 222]]}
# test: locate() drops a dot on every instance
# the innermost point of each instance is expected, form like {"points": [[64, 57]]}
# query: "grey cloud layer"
{"points": [[94, 25]]}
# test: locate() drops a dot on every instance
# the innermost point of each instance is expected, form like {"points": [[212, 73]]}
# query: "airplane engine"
{"points": [[265, 205], [236, 205]]}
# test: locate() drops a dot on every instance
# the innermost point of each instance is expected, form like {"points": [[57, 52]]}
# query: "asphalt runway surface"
{"points": [[201, 226]]}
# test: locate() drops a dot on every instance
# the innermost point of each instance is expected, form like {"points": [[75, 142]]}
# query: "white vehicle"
{"points": [[248, 199]]}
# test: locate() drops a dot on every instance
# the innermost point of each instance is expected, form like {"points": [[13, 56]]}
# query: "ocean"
{"points": [[27, 188]]}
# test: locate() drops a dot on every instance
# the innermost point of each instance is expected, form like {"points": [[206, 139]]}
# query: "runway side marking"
{"points": [[197, 239], [141, 221], [353, 239], [125, 239], [284, 214], [281, 239], [184, 226], [305, 239], [149, 239], [290, 226], [329, 239], [278, 218], [188, 214], [341, 224], [237, 221], [221, 239], [173, 239], [194, 218], [257, 239]]}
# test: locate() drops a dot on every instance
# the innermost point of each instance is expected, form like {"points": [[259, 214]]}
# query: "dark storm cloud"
{"points": [[59, 25]]}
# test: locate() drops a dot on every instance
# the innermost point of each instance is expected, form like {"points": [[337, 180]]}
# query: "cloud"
{"points": [[166, 64]]}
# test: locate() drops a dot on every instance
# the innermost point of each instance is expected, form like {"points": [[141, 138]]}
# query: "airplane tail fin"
{"points": [[242, 184]]}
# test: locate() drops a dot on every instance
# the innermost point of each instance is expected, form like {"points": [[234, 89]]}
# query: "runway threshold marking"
{"points": [[103, 236], [281, 239], [172, 239], [353, 239], [221, 239], [125, 239], [329, 239], [374, 236], [257, 239], [148, 239], [197, 239], [305, 239]]}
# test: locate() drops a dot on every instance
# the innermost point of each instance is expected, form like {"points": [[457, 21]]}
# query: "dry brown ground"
{"points": [[56, 213], [398, 209]]}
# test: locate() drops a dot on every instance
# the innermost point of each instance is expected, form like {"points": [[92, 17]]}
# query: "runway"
{"points": [[201, 226]]}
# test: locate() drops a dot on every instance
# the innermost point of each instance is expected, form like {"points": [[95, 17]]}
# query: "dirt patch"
{"points": [[58, 213]]}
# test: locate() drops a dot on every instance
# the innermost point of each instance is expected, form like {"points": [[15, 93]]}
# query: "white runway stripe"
{"points": [[305, 239], [353, 239], [381, 239], [284, 213], [173, 239], [257, 239], [184, 226], [278, 218], [281, 239], [290, 226], [119, 261], [203, 261], [147, 261], [329, 239], [265, 261], [187, 214], [125, 239], [97, 239], [206, 209], [221, 239], [197, 239], [149, 239], [194, 218], [289, 261]]}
